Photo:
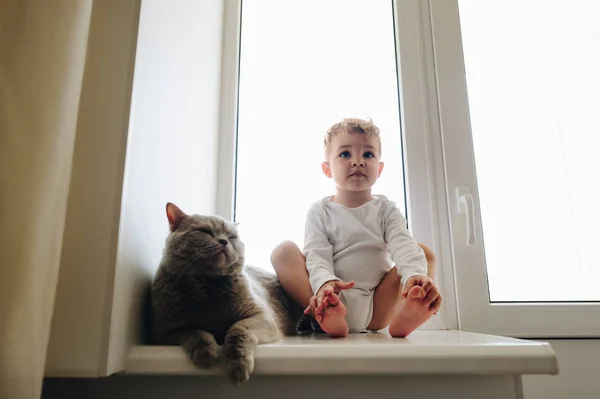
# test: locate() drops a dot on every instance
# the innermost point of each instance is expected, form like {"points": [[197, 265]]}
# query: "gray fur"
{"points": [[205, 299]]}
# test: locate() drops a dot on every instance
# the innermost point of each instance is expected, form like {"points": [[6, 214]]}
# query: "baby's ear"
{"points": [[326, 169], [175, 216]]}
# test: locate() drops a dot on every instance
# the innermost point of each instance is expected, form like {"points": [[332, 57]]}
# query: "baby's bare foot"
{"points": [[412, 312], [333, 321]]}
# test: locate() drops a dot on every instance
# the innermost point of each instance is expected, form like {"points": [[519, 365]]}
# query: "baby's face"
{"points": [[353, 161]]}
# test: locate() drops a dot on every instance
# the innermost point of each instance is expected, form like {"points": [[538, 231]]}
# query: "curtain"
{"points": [[42, 57]]}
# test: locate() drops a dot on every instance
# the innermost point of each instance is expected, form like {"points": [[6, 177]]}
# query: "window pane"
{"points": [[533, 82], [304, 66]]}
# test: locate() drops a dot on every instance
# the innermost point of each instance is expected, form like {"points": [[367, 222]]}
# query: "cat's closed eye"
{"points": [[233, 237], [206, 231]]}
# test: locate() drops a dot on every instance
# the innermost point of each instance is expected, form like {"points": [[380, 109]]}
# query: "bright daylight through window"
{"points": [[536, 135], [303, 67]]}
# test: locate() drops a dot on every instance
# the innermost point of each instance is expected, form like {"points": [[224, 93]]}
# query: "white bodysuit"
{"points": [[359, 244]]}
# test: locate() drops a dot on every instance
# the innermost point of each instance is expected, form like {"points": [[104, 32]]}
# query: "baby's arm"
{"points": [[318, 250], [319, 264], [404, 250]]}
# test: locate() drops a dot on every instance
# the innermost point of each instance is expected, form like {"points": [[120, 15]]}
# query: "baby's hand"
{"points": [[326, 296], [430, 292]]}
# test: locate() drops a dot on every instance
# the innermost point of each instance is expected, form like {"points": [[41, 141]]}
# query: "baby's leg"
{"points": [[414, 309], [290, 266], [387, 299], [334, 321]]}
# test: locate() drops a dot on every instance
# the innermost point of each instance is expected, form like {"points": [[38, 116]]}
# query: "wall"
{"points": [[172, 146], [579, 372], [133, 153]]}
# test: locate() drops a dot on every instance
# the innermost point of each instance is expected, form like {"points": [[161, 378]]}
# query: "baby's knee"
{"points": [[285, 252]]}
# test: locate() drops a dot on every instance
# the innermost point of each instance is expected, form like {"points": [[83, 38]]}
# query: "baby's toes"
{"points": [[338, 309], [432, 295], [436, 304], [415, 292], [415, 304]]}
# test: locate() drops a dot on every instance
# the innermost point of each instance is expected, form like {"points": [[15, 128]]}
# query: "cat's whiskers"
{"points": [[207, 252]]}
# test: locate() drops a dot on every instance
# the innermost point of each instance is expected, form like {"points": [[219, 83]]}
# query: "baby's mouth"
{"points": [[357, 174]]}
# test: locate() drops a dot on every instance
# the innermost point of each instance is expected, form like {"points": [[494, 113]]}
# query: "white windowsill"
{"points": [[423, 352]]}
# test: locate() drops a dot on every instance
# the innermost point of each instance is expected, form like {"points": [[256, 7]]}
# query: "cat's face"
{"points": [[203, 244]]}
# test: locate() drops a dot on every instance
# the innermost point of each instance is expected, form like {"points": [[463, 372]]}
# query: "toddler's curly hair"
{"points": [[352, 125]]}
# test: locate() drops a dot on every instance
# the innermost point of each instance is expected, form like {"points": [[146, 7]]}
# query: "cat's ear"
{"points": [[175, 216]]}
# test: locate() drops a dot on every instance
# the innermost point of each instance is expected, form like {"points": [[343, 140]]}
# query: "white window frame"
{"points": [[476, 313], [230, 64], [425, 203]]}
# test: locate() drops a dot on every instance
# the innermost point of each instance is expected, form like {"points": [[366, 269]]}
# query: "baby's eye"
{"points": [[369, 154], [345, 154]]}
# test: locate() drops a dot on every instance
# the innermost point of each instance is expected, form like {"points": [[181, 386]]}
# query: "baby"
{"points": [[344, 277]]}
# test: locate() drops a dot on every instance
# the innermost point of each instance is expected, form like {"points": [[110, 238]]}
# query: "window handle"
{"points": [[465, 207]]}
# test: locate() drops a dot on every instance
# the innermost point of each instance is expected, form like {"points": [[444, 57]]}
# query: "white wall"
{"points": [[127, 165], [171, 148], [173, 136], [579, 372]]}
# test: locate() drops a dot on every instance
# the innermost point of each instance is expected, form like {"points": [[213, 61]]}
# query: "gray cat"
{"points": [[205, 299]]}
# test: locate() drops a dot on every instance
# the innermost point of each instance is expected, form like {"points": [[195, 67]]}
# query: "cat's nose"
{"points": [[223, 241]]}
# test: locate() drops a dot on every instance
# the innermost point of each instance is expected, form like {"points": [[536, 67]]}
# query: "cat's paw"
{"points": [[237, 357], [201, 347], [238, 370], [206, 356]]}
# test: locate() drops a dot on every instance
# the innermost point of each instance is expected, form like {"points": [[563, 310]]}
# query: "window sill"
{"points": [[424, 352]]}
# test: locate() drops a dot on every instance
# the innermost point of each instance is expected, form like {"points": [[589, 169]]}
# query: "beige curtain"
{"points": [[42, 57]]}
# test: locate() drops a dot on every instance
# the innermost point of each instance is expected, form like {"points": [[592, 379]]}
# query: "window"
{"points": [[533, 96], [298, 76], [520, 162], [291, 70]]}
